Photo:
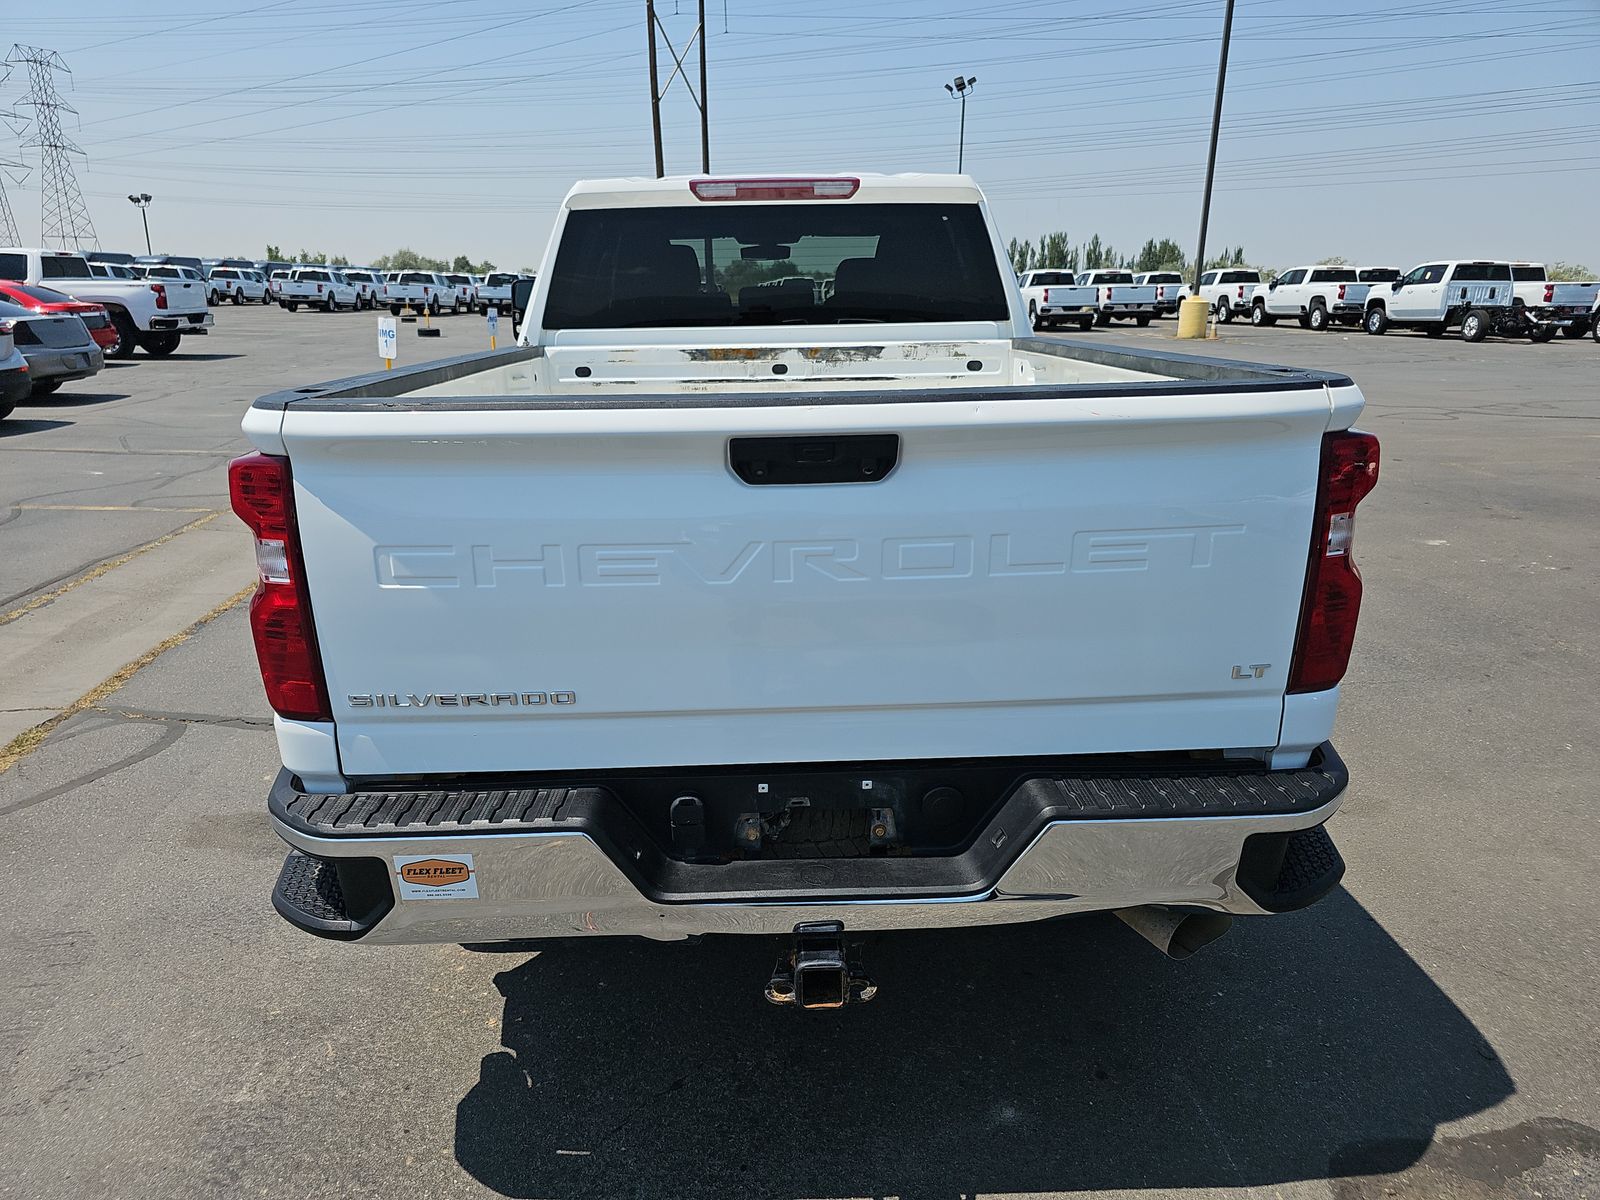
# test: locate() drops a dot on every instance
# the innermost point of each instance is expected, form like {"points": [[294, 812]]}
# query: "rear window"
{"points": [[458, 279], [792, 264], [63, 266], [1481, 273], [416, 277], [1379, 274], [13, 266], [1241, 277], [1113, 276], [1052, 279], [1334, 275], [1164, 277], [499, 279], [312, 276], [1528, 274]]}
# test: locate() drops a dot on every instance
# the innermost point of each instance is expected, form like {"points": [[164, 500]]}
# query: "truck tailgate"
{"points": [[529, 585]]}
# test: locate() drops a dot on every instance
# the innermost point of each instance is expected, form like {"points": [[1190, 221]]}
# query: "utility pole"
{"points": [[1211, 156], [961, 89], [655, 29], [64, 218], [142, 199]]}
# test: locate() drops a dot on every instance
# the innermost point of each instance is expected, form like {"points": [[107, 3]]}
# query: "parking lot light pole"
{"points": [[1191, 314], [960, 90], [142, 200]]}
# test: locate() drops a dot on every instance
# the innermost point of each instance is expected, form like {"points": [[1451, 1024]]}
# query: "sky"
{"points": [[1388, 133]]}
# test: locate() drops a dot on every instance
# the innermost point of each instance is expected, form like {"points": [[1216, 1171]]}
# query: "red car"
{"points": [[48, 300]]}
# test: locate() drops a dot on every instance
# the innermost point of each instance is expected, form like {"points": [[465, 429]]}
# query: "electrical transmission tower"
{"points": [[64, 217], [8, 223]]}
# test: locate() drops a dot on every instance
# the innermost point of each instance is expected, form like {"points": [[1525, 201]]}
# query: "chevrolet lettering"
{"points": [[886, 614]]}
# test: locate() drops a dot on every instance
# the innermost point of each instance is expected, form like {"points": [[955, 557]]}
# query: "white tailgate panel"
{"points": [[1034, 578]]}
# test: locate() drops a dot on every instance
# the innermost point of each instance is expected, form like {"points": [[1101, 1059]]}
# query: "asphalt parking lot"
{"points": [[1428, 1031]]}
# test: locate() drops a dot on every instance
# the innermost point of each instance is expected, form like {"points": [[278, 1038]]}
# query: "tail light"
{"points": [[774, 189], [1161, 292], [1333, 585], [1241, 291], [319, 289], [160, 289], [262, 493], [1341, 291], [1549, 293]]}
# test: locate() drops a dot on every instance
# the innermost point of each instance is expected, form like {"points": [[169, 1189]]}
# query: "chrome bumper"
{"points": [[183, 323], [562, 884]]}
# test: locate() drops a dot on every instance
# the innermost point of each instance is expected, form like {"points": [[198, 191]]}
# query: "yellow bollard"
{"points": [[1192, 316]]}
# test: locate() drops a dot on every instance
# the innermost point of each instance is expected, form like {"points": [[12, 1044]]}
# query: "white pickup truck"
{"points": [[318, 287], [1316, 296], [1170, 290], [1228, 291], [1474, 295], [1053, 295], [1549, 306], [152, 314], [1121, 297], [679, 618], [418, 290], [495, 290]]}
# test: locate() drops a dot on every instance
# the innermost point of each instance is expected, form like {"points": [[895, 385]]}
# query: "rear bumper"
{"points": [[534, 862], [182, 322], [63, 363]]}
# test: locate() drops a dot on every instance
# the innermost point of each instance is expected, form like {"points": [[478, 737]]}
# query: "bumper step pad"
{"points": [[311, 894], [1286, 871]]}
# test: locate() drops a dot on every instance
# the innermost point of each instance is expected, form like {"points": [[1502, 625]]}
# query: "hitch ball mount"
{"points": [[816, 970]]}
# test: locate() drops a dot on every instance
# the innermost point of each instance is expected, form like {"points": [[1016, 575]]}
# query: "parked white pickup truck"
{"points": [[1121, 297], [317, 287], [1474, 295], [1315, 296], [1228, 291], [495, 291], [242, 285], [1053, 295], [1169, 289], [368, 284], [419, 290], [1548, 306], [153, 314], [680, 618]]}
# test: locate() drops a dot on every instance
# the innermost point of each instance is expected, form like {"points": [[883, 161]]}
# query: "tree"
{"points": [[1165, 255], [1564, 272], [1054, 249], [274, 253], [1228, 258], [1097, 255], [1334, 260]]}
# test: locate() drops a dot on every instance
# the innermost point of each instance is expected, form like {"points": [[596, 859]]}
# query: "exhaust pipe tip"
{"points": [[1176, 934]]}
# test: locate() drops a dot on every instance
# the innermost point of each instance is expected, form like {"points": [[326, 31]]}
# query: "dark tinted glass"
{"points": [[1481, 273], [798, 264]]}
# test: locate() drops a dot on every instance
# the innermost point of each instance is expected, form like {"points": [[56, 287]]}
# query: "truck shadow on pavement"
{"points": [[1065, 1056], [17, 426]]}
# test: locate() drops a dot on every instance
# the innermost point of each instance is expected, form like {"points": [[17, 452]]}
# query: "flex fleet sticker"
{"points": [[435, 877]]}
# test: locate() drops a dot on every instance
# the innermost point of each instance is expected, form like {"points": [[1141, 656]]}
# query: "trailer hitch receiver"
{"points": [[816, 970]]}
